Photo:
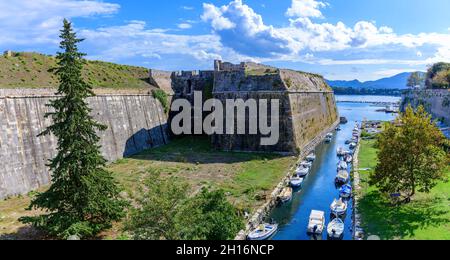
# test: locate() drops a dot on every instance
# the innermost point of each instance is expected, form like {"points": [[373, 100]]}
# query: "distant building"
{"points": [[8, 53]]}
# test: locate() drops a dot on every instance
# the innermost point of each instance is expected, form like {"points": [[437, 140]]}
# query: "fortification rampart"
{"points": [[135, 122]]}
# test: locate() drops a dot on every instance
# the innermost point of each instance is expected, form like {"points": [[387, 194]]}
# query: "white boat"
{"points": [[339, 207], [302, 171], [353, 145], [349, 158], [330, 135], [285, 195], [336, 229], [316, 223], [342, 177], [342, 165], [346, 191], [297, 182], [311, 157], [263, 232], [341, 152], [306, 164], [328, 139]]}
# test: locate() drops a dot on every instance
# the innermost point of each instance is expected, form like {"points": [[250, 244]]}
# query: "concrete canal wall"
{"points": [[135, 122]]}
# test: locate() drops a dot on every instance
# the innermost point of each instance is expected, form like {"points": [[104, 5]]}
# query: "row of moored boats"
{"points": [[339, 207]]}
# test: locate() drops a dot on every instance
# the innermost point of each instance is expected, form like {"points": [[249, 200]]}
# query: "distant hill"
{"points": [[396, 82], [31, 70]]}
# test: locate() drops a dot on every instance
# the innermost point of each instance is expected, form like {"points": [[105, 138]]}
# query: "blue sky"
{"points": [[341, 39]]}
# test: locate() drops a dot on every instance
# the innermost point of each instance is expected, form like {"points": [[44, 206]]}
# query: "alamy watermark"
{"points": [[228, 117]]}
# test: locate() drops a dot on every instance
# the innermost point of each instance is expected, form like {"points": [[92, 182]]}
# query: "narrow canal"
{"points": [[319, 189]]}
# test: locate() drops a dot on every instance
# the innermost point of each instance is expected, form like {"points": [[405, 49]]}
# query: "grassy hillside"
{"points": [[31, 70]]}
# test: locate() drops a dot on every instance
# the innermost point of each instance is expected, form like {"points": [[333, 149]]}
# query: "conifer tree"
{"points": [[83, 198]]}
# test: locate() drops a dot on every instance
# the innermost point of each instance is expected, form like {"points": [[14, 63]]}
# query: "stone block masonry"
{"points": [[435, 101], [135, 122]]}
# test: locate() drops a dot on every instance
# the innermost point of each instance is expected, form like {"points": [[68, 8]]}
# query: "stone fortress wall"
{"points": [[135, 122], [307, 103], [435, 101]]}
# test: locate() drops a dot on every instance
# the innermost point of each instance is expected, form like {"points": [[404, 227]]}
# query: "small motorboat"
{"points": [[328, 139], [316, 223], [263, 232], [353, 145], [345, 191], [342, 165], [311, 157], [342, 177], [348, 142], [348, 158], [296, 182], [285, 195], [339, 207], [336, 229], [330, 135], [302, 171], [306, 164], [341, 152]]}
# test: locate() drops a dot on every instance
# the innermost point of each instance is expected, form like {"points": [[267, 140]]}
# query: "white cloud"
{"points": [[243, 30], [184, 26], [306, 8], [188, 8], [25, 21]]}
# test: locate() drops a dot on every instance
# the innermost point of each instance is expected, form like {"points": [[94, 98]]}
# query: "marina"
{"points": [[319, 190]]}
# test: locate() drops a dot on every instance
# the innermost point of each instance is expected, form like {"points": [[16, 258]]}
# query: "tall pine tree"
{"points": [[83, 198]]}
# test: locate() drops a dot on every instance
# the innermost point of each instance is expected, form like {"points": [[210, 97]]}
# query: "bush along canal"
{"points": [[319, 188]]}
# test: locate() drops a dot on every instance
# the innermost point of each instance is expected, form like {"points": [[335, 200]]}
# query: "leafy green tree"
{"points": [[411, 155], [154, 218], [209, 216], [416, 79], [83, 198], [166, 212]]}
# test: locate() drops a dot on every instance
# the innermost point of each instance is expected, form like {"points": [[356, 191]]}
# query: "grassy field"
{"points": [[247, 178], [427, 217], [31, 70]]}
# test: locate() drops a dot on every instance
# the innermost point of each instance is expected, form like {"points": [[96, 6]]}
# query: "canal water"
{"points": [[319, 189]]}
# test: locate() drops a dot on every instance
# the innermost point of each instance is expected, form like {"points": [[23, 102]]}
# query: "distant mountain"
{"points": [[396, 82]]}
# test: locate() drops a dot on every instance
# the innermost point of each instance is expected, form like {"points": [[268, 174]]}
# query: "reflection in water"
{"points": [[319, 189]]}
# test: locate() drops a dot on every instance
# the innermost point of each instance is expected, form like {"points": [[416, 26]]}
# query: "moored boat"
{"points": [[296, 182], [285, 195], [311, 157], [302, 171], [339, 207], [342, 165], [336, 229], [316, 223], [328, 139], [346, 191], [306, 164], [263, 232], [353, 145], [342, 177], [349, 158]]}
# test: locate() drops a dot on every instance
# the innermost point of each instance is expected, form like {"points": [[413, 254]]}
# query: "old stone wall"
{"points": [[135, 122], [436, 102]]}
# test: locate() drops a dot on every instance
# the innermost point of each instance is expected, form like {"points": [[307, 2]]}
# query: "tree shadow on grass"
{"points": [[389, 222]]}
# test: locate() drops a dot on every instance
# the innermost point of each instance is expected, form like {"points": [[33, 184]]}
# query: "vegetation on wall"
{"points": [[438, 76], [163, 98]]}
